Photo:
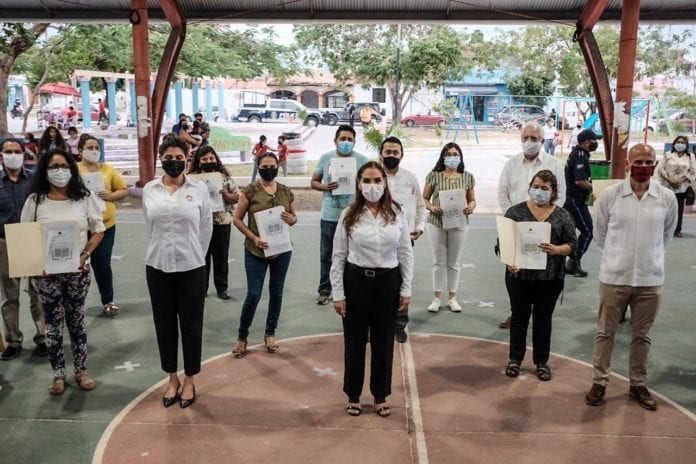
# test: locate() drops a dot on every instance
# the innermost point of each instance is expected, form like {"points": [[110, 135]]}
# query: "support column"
{"points": [[11, 97], [194, 95], [630, 17], [169, 102], [86, 107], [221, 98], [111, 100], [178, 85], [208, 100], [133, 107], [141, 64]]}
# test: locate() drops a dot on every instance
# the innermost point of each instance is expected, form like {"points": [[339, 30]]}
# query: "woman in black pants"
{"points": [[371, 273], [534, 292], [179, 223]]}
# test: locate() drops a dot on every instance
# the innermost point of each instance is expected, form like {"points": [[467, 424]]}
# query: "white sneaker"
{"points": [[454, 306], [434, 306]]}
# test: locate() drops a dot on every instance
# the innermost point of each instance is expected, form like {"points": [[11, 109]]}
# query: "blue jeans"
{"points": [[328, 229], [256, 273], [549, 146], [101, 265]]}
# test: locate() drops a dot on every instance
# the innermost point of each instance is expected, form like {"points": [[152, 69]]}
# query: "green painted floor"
{"points": [[38, 428]]}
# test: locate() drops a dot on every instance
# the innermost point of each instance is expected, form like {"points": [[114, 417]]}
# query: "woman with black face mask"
{"points": [[206, 161], [180, 223], [261, 195]]}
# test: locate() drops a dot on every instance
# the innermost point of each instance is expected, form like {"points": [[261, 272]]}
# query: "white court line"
{"points": [[409, 368]]}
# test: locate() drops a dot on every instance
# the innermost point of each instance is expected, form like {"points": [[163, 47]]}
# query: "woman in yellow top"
{"points": [[113, 189]]}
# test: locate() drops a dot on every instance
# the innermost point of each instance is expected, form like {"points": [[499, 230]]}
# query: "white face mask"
{"points": [[680, 147], [372, 192], [12, 160], [531, 148], [91, 155], [59, 177]]}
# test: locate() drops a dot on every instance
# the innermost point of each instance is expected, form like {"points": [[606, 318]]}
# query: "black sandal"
{"points": [[512, 369], [354, 409], [543, 371]]}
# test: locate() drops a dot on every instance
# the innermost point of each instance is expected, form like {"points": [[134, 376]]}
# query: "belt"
{"points": [[369, 271]]}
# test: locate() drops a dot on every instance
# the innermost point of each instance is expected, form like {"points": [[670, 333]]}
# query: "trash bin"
{"points": [[599, 169]]}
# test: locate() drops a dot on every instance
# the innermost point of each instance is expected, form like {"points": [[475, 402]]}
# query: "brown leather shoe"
{"points": [[506, 323], [595, 396], [642, 396], [84, 381]]}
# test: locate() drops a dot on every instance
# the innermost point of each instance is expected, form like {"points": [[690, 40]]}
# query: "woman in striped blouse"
{"points": [[447, 244]]}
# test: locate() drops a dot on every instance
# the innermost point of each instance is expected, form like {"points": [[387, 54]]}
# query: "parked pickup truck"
{"points": [[279, 110], [334, 116]]}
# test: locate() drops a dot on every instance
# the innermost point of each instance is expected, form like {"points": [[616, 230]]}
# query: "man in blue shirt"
{"points": [[332, 205], [14, 189]]}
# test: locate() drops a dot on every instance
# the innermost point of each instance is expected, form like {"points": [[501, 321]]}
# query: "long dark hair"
{"points": [[387, 207], [440, 165], [41, 186], [547, 176], [200, 153], [45, 140]]}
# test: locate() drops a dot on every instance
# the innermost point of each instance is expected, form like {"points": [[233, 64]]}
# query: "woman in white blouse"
{"points": [[676, 172], [58, 194], [371, 277], [179, 223]]}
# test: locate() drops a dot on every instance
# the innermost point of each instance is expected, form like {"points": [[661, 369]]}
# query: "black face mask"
{"points": [[173, 168], [391, 162], [268, 174], [209, 167], [592, 146]]}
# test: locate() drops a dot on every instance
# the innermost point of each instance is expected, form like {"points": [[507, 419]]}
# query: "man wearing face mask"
{"points": [[579, 186], [14, 189], [635, 221], [405, 190], [519, 171], [332, 205]]}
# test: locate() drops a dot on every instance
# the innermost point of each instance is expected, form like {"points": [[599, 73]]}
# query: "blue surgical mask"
{"points": [[452, 162], [539, 196], [345, 147]]}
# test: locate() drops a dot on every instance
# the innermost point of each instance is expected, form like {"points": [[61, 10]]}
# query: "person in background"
{"points": [[204, 126], [30, 145], [578, 180], [261, 195], [58, 194], [371, 273], [102, 110], [533, 293], [677, 171], [176, 128], [72, 142], [15, 183], [635, 221], [447, 244], [351, 114], [206, 160], [550, 135], [405, 191], [115, 189], [179, 223], [51, 140], [332, 205], [283, 154], [574, 135], [259, 149], [193, 141], [518, 172]]}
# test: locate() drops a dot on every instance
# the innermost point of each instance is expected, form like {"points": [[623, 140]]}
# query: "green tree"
{"points": [[17, 38], [367, 54]]}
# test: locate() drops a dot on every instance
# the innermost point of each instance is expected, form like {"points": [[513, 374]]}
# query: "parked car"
{"points": [[334, 116], [216, 113], [677, 120], [279, 110], [424, 120], [519, 114], [94, 112]]}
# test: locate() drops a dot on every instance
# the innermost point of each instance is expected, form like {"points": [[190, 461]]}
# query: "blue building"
{"points": [[488, 92]]}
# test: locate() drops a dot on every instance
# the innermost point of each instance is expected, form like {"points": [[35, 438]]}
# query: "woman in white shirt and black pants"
{"points": [[370, 276], [179, 223]]}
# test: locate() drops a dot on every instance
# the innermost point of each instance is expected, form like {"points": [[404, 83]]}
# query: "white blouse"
{"points": [[372, 244], [179, 225], [674, 166]]}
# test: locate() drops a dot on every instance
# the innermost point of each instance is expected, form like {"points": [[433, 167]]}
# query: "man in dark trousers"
{"points": [[578, 188]]}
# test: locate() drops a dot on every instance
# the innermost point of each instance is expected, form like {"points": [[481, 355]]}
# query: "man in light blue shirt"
{"points": [[332, 205]]}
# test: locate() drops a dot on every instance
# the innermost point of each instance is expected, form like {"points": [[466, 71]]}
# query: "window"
{"points": [[276, 105], [379, 95]]}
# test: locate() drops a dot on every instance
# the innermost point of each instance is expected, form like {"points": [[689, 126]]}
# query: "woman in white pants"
{"points": [[447, 244]]}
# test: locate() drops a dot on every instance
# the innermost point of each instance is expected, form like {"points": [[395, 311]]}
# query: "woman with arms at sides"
{"points": [[115, 189], [206, 160], [259, 196], [179, 224], [371, 273], [58, 194], [533, 293]]}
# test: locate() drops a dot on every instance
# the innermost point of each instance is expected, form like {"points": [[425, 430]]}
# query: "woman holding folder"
{"points": [[263, 196], [447, 240], [206, 161], [533, 293], [58, 194]]}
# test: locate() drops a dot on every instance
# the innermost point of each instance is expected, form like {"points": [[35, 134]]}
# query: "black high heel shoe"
{"points": [[169, 401], [186, 403]]}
